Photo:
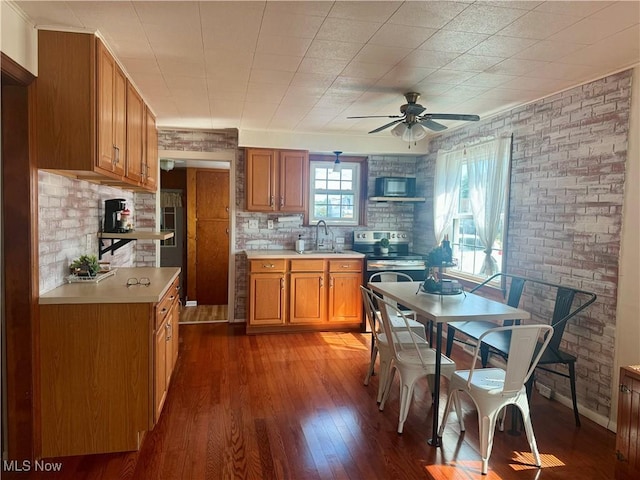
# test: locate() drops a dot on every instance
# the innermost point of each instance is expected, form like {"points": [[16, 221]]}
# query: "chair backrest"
{"points": [[370, 309], [399, 337], [520, 362], [563, 309], [390, 277]]}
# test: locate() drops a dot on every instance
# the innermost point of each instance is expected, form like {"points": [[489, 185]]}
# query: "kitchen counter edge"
{"points": [[114, 289], [292, 254]]}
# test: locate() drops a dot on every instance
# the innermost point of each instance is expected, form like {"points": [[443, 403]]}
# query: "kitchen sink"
{"points": [[321, 252]]}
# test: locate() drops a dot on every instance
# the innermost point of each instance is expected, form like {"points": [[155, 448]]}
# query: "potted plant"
{"points": [[384, 245], [85, 266]]}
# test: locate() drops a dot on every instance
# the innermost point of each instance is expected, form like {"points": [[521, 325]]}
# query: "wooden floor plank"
{"points": [[293, 406]]}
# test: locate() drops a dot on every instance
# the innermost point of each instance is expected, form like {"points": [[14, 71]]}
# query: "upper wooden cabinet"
{"points": [[82, 110], [112, 119], [277, 180]]}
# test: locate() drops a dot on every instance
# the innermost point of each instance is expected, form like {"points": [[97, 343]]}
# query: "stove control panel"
{"points": [[372, 237]]}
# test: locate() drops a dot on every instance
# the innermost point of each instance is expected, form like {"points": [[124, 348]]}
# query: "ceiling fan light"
{"points": [[414, 133]]}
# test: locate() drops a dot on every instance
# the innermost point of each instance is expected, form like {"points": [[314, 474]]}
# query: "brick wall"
{"points": [[70, 214], [565, 213]]}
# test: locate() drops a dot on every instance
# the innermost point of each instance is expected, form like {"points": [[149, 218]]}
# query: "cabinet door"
{"points": [[119, 120], [150, 173], [135, 134], [267, 297], [627, 438], [293, 178], [106, 136], [160, 370], [307, 298], [261, 168], [345, 301]]}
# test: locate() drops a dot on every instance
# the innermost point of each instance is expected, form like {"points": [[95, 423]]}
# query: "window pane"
{"points": [[321, 173], [347, 174], [334, 211], [320, 184], [346, 185]]}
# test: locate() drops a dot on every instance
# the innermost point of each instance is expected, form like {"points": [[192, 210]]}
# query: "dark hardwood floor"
{"points": [[294, 407]]}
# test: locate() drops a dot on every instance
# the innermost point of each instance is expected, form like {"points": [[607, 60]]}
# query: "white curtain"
{"points": [[446, 190], [488, 168]]}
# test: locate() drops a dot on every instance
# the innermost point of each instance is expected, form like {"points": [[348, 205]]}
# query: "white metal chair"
{"points": [[380, 342], [412, 360], [416, 326], [492, 389]]}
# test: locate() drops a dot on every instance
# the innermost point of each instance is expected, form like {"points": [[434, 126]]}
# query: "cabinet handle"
{"points": [[620, 456], [271, 202], [268, 265], [172, 297], [330, 282], [321, 282], [624, 388], [116, 156], [169, 333], [282, 283], [345, 266], [281, 201]]}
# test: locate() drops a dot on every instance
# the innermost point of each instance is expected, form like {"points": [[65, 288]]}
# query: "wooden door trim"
{"points": [[20, 260], [191, 233]]}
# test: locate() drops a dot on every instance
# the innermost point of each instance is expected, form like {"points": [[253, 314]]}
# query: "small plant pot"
{"points": [[384, 250]]}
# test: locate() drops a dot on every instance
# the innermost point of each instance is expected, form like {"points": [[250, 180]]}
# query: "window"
{"points": [[334, 196], [471, 194], [168, 224]]}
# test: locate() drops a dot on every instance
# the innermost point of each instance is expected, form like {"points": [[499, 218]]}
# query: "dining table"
{"points": [[440, 309]]}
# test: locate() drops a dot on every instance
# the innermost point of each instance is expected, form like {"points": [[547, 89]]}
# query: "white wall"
{"points": [[628, 321], [18, 37]]}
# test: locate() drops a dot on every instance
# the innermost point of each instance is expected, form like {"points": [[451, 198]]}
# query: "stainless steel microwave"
{"points": [[395, 187]]}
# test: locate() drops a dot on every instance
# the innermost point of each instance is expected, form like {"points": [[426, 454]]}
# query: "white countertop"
{"points": [[114, 289], [292, 254]]}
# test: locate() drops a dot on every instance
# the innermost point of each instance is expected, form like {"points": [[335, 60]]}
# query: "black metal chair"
{"points": [[563, 311]]}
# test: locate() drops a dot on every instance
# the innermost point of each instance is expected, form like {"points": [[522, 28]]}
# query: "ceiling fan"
{"points": [[413, 114]]}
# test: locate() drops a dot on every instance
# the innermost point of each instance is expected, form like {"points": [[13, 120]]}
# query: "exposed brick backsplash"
{"points": [[71, 213], [198, 140], [565, 212]]}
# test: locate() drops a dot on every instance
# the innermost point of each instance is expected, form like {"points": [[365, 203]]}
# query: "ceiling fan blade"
{"points": [[387, 125], [414, 109], [431, 125], [453, 116], [380, 116]]}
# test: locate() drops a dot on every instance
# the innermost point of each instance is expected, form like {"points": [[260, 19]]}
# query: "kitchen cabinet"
{"points": [[151, 160], [267, 292], [135, 134], [112, 118], [277, 180], [307, 295], [318, 293], [628, 424], [345, 278], [82, 110], [107, 353]]}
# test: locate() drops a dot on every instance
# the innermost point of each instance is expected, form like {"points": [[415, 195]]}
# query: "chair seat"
{"points": [[489, 380]]}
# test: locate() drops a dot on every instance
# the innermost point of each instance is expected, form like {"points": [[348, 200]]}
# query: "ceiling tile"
{"points": [[538, 25], [327, 66], [428, 58], [333, 49], [364, 11], [403, 77], [312, 80], [366, 70], [451, 77], [515, 66], [448, 41], [567, 7], [501, 46], [290, 25], [548, 51], [344, 30], [352, 84], [488, 79], [408, 37], [269, 61], [280, 45], [472, 63], [588, 31], [277, 77], [382, 55], [320, 9], [427, 14], [180, 67], [220, 59], [480, 18]]}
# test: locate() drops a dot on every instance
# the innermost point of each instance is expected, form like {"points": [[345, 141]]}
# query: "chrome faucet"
{"points": [[326, 233]]}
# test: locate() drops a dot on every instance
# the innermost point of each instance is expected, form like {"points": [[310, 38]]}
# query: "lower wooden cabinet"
{"points": [[104, 373], [304, 294], [628, 425]]}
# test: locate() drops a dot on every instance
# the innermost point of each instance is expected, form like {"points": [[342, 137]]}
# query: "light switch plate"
{"points": [[270, 224], [253, 223]]}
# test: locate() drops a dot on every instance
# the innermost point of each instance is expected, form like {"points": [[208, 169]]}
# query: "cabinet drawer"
{"points": [[165, 305], [352, 265], [268, 265], [307, 265]]}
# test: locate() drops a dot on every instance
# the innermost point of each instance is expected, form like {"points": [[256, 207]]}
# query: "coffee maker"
{"points": [[112, 209]]}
